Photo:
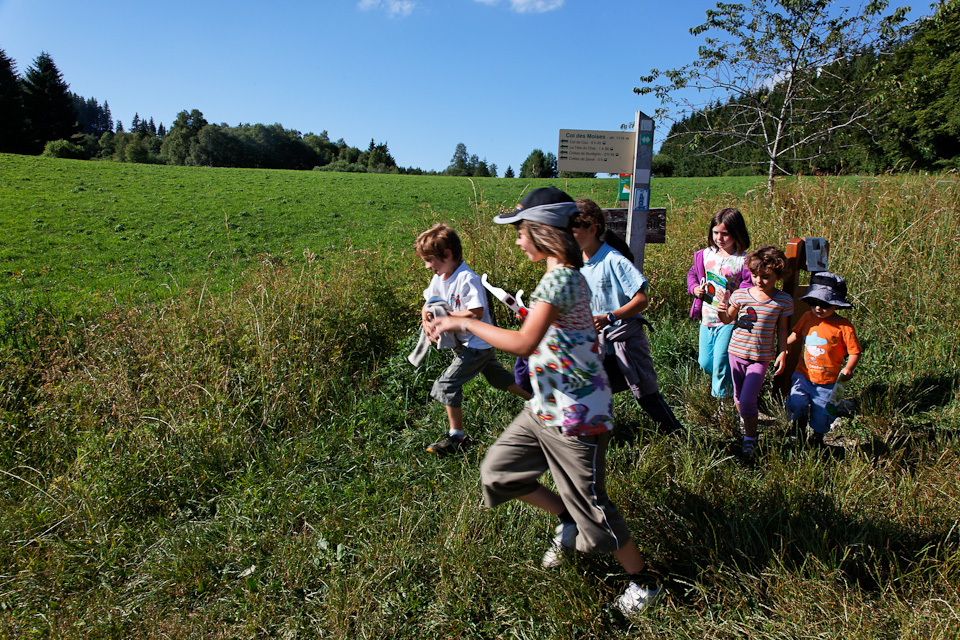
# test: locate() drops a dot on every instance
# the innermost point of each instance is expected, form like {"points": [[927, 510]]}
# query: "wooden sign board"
{"points": [[656, 224], [596, 151]]}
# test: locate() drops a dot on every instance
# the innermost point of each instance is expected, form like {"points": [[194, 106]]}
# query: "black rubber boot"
{"points": [[661, 413]]}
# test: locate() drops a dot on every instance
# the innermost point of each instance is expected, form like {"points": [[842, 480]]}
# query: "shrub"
{"points": [[64, 149]]}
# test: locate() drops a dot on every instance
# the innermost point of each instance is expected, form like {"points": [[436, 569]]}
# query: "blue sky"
{"points": [[501, 76]]}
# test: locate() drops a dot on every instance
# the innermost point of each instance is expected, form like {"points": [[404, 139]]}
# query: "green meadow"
{"points": [[87, 230], [209, 429]]}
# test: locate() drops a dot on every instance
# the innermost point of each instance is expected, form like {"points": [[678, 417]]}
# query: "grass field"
{"points": [[84, 230], [244, 458]]}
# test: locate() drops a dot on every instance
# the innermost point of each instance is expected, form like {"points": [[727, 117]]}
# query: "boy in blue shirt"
{"points": [[619, 295]]}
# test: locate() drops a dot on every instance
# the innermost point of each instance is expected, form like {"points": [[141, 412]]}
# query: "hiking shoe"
{"points": [[636, 598], [748, 449], [449, 444], [562, 545]]}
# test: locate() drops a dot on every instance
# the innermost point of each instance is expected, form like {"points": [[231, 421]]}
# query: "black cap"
{"points": [[547, 205]]}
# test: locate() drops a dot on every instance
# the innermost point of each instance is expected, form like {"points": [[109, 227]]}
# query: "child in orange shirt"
{"points": [[830, 352]]}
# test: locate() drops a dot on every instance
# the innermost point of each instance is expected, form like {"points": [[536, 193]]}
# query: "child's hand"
{"points": [[722, 298], [780, 363], [845, 374], [425, 318], [455, 324], [435, 326]]}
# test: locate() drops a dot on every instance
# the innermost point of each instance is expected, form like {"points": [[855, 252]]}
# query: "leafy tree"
{"points": [[922, 85], [769, 58], [108, 144], [12, 113], [539, 165], [350, 155], [493, 170], [473, 165], [662, 165], [216, 147], [48, 103], [325, 150], [460, 163], [178, 145], [379, 159]]}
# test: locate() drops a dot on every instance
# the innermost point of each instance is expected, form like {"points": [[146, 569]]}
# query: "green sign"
{"points": [[646, 138], [624, 187]]}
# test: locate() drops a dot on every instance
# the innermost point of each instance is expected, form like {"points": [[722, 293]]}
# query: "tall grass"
{"points": [[251, 464]]}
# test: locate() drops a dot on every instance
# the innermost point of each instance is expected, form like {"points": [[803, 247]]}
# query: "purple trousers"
{"points": [[748, 377]]}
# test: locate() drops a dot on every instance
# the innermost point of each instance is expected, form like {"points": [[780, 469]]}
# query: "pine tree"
{"points": [[12, 114], [107, 117], [49, 106]]}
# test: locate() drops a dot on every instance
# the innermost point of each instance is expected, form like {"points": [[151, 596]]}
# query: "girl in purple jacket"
{"points": [[717, 271]]}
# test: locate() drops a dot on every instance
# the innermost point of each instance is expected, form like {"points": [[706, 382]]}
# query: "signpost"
{"points": [[640, 194], [623, 152]]}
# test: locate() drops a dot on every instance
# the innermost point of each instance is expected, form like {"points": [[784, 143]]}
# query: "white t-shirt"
{"points": [[463, 291]]}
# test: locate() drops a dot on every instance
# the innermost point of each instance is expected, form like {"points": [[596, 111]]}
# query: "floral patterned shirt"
{"points": [[570, 386], [719, 270]]}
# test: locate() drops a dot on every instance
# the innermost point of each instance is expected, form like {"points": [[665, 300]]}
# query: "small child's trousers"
{"points": [[748, 376], [811, 399]]}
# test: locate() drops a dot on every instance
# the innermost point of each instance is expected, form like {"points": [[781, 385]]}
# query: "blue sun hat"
{"points": [[547, 205], [827, 288]]}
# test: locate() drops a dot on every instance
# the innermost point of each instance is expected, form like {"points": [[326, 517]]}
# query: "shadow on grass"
{"points": [[912, 397], [749, 534]]}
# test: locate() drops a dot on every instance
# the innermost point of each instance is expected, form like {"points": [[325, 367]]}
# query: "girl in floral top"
{"points": [[565, 428]]}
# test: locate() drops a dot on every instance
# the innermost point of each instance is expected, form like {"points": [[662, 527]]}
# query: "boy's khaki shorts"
{"points": [[466, 365]]}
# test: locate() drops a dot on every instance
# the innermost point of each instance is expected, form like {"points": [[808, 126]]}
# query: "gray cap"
{"points": [[547, 205]]}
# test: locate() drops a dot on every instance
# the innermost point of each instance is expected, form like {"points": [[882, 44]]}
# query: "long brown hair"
{"points": [[735, 225], [554, 241]]}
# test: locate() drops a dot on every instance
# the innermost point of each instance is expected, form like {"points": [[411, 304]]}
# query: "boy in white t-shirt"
{"points": [[456, 285]]}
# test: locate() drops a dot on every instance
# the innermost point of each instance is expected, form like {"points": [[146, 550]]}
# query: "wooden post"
{"points": [[796, 259]]}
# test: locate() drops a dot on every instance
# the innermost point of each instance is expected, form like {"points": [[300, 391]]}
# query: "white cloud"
{"points": [[394, 8], [529, 6]]}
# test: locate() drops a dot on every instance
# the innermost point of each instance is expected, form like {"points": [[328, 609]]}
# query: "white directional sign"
{"points": [[596, 151]]}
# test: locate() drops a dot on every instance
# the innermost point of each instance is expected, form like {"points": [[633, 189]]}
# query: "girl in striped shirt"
{"points": [[759, 336]]}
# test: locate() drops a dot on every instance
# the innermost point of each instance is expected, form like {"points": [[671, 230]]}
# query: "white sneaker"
{"points": [[636, 598], [562, 545]]}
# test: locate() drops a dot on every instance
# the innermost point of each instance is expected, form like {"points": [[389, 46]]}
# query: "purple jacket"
{"points": [[698, 272]]}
